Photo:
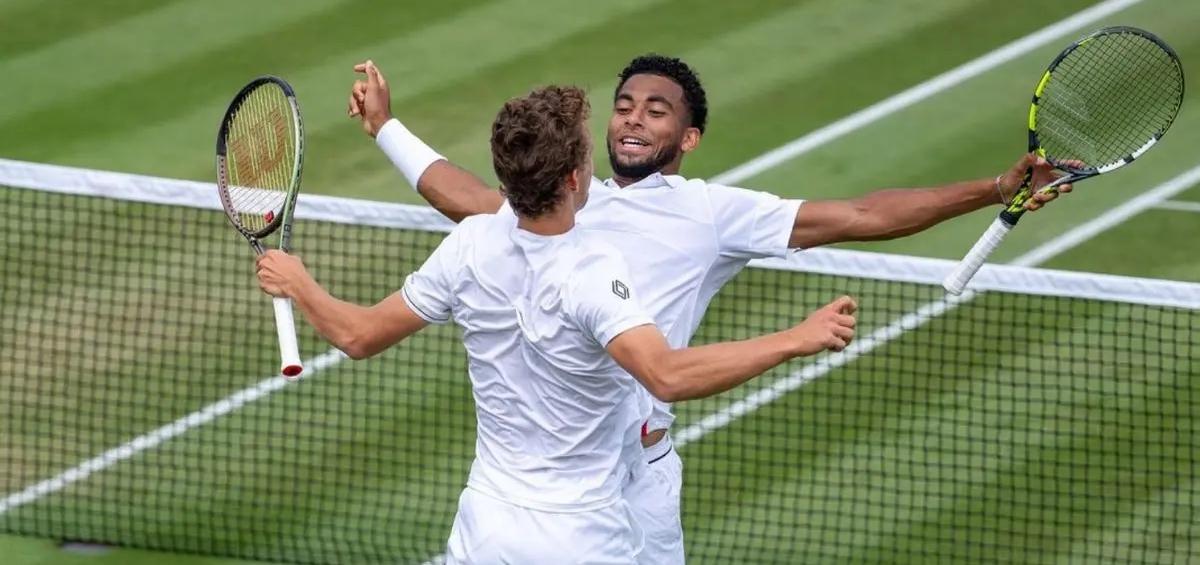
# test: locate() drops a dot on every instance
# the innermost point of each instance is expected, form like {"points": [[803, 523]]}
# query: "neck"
{"points": [[671, 168], [557, 221]]}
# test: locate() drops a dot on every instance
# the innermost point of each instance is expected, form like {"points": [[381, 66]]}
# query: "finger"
{"points": [[1032, 205], [360, 68], [374, 72], [846, 305], [836, 344], [845, 320], [372, 76], [1043, 196], [843, 332], [352, 107], [1065, 187]]}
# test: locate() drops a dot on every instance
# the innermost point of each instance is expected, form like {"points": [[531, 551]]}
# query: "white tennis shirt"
{"points": [[558, 421], [683, 239]]}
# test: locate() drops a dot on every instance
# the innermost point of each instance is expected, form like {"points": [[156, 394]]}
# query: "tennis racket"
{"points": [[260, 149], [1104, 101]]}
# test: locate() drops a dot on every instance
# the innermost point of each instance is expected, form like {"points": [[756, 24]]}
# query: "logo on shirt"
{"points": [[620, 290]]}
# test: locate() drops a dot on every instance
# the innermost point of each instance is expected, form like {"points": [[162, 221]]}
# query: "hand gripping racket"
{"points": [[1104, 101], [260, 149]]}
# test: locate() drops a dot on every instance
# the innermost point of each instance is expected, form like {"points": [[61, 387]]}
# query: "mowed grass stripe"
{"points": [[276, 49], [1152, 244], [785, 41], [34, 24], [871, 68], [456, 118], [129, 46], [427, 58]]}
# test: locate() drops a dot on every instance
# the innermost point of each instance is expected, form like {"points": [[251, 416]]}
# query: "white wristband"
{"points": [[406, 151]]}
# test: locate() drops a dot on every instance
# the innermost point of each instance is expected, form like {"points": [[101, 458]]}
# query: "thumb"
{"points": [[1027, 160]]}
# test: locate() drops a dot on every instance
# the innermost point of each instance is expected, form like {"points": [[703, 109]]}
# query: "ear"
{"points": [[691, 140], [572, 184]]}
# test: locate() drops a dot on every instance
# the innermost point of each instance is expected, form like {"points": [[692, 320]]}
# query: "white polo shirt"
{"points": [[558, 421], [683, 239]]}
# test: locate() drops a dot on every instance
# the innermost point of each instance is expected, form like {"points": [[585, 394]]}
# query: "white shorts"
{"points": [[654, 499], [488, 530]]}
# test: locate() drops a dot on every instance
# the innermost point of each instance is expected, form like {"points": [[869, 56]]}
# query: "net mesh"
{"points": [[1108, 98], [138, 408]]}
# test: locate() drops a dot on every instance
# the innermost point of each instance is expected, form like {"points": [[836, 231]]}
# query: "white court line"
{"points": [[929, 311], [1179, 205], [944, 81], [161, 435]]}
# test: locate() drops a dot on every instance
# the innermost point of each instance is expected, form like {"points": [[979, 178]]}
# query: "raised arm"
{"points": [[451, 190], [359, 331], [893, 213], [672, 375]]}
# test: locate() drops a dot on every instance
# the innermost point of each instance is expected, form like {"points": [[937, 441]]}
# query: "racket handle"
{"points": [[957, 280], [285, 326]]}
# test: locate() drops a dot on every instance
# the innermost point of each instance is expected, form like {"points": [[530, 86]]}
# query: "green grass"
{"points": [[940, 443]]}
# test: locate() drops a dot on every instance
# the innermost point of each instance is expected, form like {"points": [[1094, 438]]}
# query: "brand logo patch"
{"points": [[620, 290]]}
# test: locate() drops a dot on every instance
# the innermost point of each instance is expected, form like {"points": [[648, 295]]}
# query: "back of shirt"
{"points": [[557, 419]]}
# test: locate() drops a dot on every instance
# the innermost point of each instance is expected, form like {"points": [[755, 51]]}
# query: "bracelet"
{"points": [[1000, 192]]}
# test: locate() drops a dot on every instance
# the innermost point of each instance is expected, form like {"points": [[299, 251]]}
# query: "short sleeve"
{"points": [[752, 224], [603, 301], [429, 291]]}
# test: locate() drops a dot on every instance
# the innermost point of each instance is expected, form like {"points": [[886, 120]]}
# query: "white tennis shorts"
{"points": [[488, 530], [654, 499]]}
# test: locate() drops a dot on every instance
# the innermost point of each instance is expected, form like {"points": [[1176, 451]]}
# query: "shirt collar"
{"points": [[656, 180]]}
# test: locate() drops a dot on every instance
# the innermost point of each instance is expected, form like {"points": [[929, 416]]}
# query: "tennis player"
{"points": [[683, 238], [546, 309]]}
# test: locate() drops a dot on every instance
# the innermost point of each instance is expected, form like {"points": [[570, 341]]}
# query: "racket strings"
{"points": [[1108, 98], [261, 157], [1098, 129]]}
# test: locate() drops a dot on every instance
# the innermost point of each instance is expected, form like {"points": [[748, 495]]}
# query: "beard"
{"points": [[644, 167]]}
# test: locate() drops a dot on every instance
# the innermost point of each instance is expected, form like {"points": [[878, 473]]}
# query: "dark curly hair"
{"points": [[678, 71], [537, 140]]}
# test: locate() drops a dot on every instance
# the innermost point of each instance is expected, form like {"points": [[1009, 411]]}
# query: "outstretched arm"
{"points": [[889, 214], [453, 191], [359, 331], [672, 375]]}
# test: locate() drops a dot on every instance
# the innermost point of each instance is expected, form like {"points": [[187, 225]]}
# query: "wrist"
{"points": [[377, 124], [793, 343], [301, 289], [1000, 192], [406, 151]]}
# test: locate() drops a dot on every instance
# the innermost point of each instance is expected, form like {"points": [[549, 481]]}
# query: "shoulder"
{"points": [[596, 254]]}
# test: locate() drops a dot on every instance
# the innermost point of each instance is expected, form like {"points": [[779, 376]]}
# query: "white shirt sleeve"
{"points": [[602, 298], [752, 224], [430, 290]]}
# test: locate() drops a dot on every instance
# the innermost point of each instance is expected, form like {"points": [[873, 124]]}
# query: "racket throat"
{"points": [[257, 245], [1009, 218]]}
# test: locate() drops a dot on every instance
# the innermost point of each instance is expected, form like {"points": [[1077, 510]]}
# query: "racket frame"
{"points": [[957, 280], [285, 325]]}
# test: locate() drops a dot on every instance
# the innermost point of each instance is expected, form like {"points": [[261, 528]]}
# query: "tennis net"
{"points": [[1051, 417]]}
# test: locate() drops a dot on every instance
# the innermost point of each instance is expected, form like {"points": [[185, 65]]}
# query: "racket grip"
{"points": [[957, 280], [285, 326]]}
